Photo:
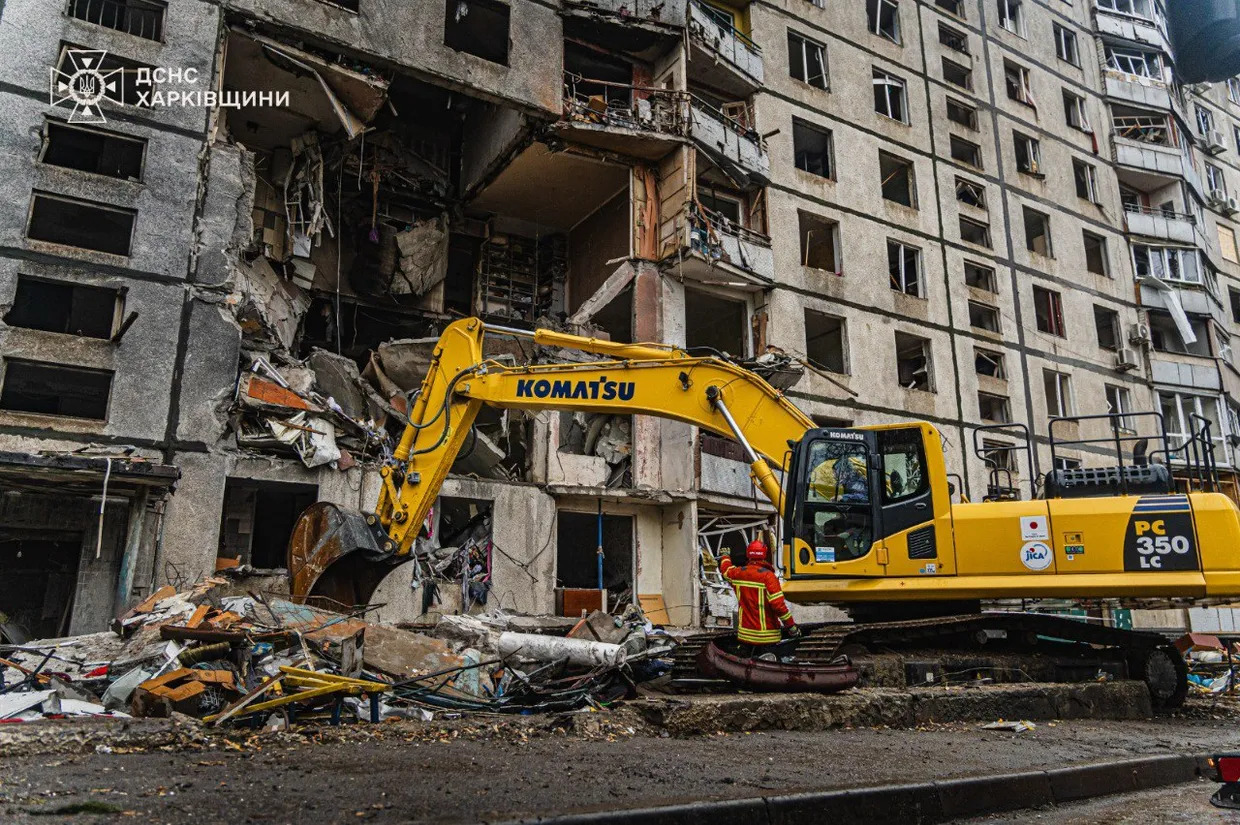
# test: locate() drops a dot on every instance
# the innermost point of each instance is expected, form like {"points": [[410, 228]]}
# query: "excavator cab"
{"points": [[850, 490]]}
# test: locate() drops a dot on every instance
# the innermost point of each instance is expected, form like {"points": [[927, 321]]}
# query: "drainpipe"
{"points": [[600, 552]]}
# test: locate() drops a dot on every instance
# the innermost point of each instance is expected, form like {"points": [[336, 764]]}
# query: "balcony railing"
{"points": [[1138, 209], [639, 108], [716, 238], [730, 138], [720, 36]]}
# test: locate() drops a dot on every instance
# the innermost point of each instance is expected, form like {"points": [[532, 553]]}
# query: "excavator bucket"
{"points": [[338, 556]]}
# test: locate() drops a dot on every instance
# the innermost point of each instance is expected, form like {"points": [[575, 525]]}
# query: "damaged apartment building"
{"points": [[981, 213]]}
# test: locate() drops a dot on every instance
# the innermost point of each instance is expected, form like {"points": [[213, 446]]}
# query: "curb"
{"points": [[923, 803]]}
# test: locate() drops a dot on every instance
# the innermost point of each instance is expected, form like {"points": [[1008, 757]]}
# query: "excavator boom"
{"points": [[343, 555]]}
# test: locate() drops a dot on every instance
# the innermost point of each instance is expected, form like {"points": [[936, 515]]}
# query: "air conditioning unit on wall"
{"points": [[1139, 334], [1125, 359], [1214, 141]]}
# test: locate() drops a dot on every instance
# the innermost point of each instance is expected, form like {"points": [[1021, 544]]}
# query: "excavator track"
{"points": [[1149, 656]]}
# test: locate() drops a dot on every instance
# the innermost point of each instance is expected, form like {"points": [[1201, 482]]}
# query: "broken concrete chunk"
{"points": [[338, 377], [423, 256]]}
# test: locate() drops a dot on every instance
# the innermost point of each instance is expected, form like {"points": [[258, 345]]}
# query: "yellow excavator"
{"points": [[868, 519]]}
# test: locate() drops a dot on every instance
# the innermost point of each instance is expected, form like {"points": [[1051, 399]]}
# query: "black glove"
{"points": [[792, 632]]}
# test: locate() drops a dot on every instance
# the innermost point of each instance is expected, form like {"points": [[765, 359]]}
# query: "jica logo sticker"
{"points": [[1036, 555]]}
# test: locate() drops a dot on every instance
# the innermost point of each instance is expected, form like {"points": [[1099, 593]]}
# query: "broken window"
{"points": [[1216, 184], [1065, 45], [1106, 324], [819, 242], [807, 60], [1086, 177], [1134, 61], [979, 277], [811, 147], [1038, 232], [962, 113], [996, 408], [716, 322], [1074, 111], [1166, 336], [1012, 15], [974, 231], [956, 74], [92, 150], [140, 18], [1142, 125], [883, 17], [966, 151], [890, 96], [983, 316], [953, 38], [970, 193], [988, 362], [257, 521], [55, 389], [1119, 403], [955, 7], [1234, 296], [477, 27], [1095, 253], [826, 342], [1000, 455], [59, 306], [1016, 80], [896, 179], [1057, 387], [1166, 263], [904, 267], [913, 362], [1048, 311], [81, 223]]}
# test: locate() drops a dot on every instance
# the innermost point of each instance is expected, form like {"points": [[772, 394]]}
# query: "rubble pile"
{"points": [[243, 658]]}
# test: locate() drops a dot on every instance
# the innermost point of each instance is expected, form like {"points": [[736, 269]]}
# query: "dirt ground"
{"points": [[479, 770]]}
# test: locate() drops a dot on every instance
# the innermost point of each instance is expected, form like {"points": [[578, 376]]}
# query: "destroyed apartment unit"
{"points": [[218, 318], [382, 206]]}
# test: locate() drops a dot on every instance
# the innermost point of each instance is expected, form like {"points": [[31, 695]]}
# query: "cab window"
{"points": [[904, 464], [838, 471], [837, 520]]}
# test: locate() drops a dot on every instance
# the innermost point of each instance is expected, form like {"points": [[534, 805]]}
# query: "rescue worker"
{"points": [[763, 611]]}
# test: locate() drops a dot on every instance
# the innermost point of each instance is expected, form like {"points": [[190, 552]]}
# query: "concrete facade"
{"points": [[682, 172]]}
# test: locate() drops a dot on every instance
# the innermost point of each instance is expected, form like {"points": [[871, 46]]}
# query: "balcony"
{"points": [[1155, 223], [636, 121], [1138, 90], [709, 248], [666, 16], [1134, 29], [733, 145], [1154, 162], [720, 56], [1195, 371]]}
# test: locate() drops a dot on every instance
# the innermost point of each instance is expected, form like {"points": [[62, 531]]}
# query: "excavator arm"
{"points": [[342, 555]]}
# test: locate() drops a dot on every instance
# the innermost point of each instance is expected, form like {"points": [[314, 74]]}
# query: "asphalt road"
{"points": [[1176, 805], [402, 772]]}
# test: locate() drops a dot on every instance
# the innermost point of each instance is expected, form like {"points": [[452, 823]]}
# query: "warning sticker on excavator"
{"points": [[1160, 536]]}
